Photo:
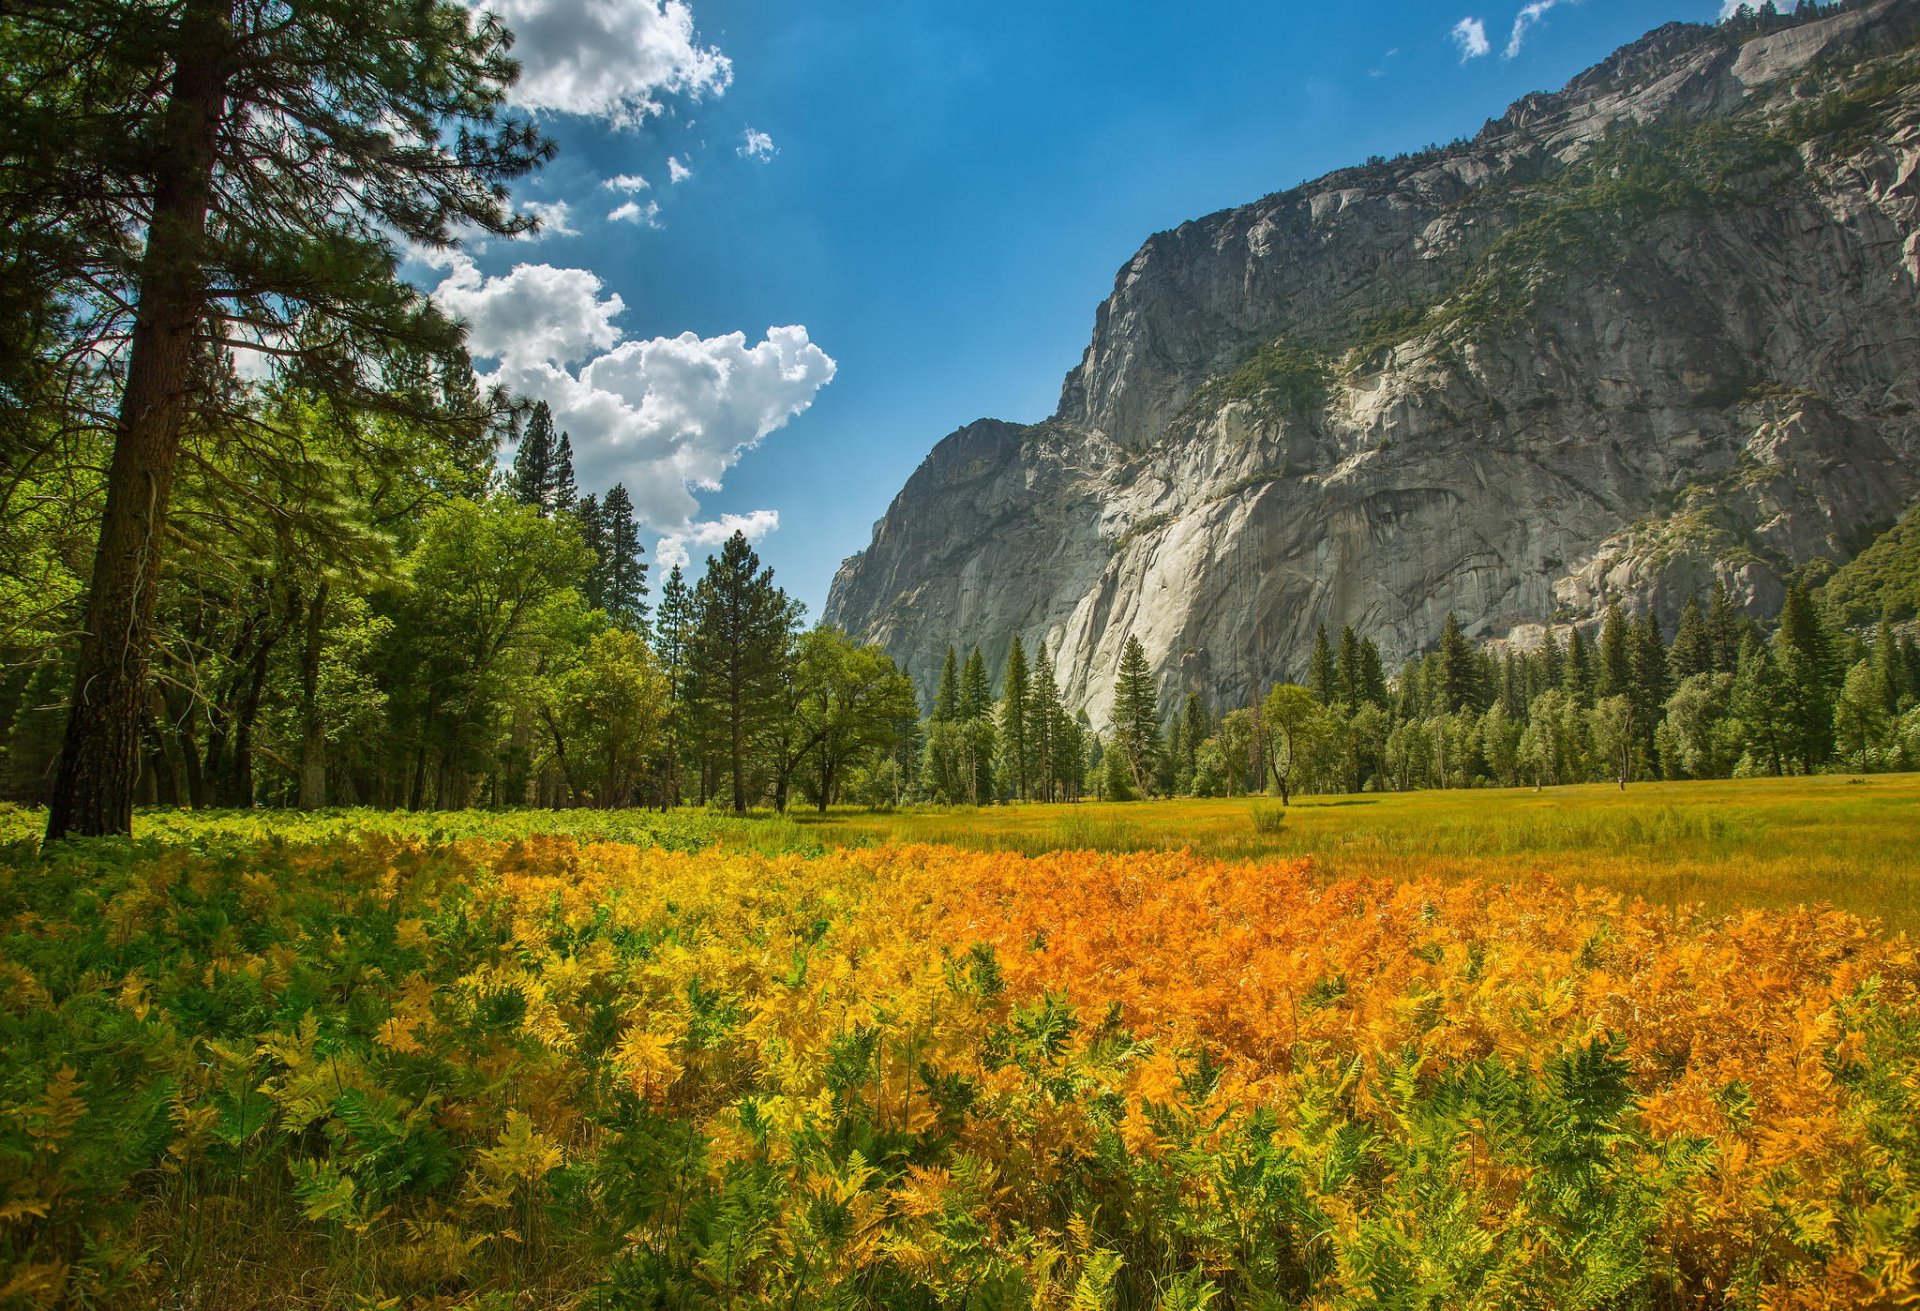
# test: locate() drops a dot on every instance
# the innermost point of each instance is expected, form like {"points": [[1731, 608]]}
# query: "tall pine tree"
{"points": [[740, 650], [237, 175], [1013, 721], [1136, 717]]}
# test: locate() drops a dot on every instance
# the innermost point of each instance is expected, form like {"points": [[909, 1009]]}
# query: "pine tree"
{"points": [[1615, 674], [1647, 685], [623, 572], [1455, 674], [976, 689], [1759, 705], [946, 701], [531, 482], [239, 174], [976, 718], [561, 491], [1043, 713], [1136, 717], [593, 531], [1199, 728], [1348, 675], [1013, 720], [1372, 688], [673, 635], [740, 652], [1888, 669], [1323, 676], [1549, 668], [1803, 652], [1723, 630], [1692, 644], [1579, 678]]}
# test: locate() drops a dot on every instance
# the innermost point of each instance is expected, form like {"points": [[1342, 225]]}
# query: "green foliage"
{"points": [[1883, 579], [1282, 377]]}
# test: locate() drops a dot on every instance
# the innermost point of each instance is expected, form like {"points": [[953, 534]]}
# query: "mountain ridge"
{"points": [[1634, 336]]}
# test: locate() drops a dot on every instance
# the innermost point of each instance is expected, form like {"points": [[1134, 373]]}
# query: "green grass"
{"points": [[1732, 845]]}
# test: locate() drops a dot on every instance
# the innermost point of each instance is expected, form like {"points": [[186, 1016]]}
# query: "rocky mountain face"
{"points": [[1657, 329]]}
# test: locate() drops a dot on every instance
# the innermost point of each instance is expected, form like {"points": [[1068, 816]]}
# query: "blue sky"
{"points": [[940, 198]]}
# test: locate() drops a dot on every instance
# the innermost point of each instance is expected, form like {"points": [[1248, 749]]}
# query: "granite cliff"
{"points": [[1659, 328]]}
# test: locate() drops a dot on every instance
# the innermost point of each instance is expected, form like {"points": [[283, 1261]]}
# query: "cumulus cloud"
{"points": [[1470, 35], [758, 145], [554, 216], [676, 171], [626, 183], [675, 548], [609, 59], [647, 215], [667, 415], [1528, 16], [533, 314]]}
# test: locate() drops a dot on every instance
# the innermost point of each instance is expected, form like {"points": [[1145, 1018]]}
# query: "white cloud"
{"points": [[664, 415], [674, 548], [533, 314], [758, 145], [610, 59], [1728, 8], [626, 183], [553, 216], [1470, 35], [676, 171], [647, 215], [1528, 16]]}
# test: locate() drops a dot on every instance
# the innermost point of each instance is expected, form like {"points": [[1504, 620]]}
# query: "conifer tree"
{"points": [[1136, 717], [1015, 692], [976, 715], [593, 532], [1723, 630], [1323, 676], [1372, 688], [1647, 686], [561, 491], [1757, 702], [1551, 666], [740, 651], [1578, 682], [946, 701], [623, 574], [1614, 677], [1692, 644], [1044, 716], [238, 175], [1455, 671], [1348, 675], [673, 634], [1803, 653], [531, 482]]}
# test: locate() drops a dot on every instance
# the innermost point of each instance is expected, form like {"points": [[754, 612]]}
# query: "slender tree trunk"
{"points": [[93, 792], [313, 732]]}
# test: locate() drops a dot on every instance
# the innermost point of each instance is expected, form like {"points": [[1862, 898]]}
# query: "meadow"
{"points": [[1850, 841], [1426, 1051]]}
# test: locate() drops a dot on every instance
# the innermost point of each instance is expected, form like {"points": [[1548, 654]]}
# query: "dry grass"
{"points": [[1851, 842]]}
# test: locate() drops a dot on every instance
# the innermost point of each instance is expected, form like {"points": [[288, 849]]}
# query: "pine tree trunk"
{"points": [[93, 792]]}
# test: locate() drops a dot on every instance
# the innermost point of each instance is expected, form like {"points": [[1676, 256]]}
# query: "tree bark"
{"points": [[93, 792]]}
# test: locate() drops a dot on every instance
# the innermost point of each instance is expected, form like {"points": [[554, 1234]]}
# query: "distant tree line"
{"points": [[1722, 698]]}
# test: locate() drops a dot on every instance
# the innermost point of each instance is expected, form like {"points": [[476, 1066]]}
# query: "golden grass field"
{"points": [[1852, 842]]}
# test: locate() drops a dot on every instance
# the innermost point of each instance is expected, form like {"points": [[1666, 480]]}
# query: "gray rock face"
{"points": [[1658, 329]]}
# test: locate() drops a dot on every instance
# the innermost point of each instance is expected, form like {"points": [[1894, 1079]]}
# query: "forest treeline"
{"points": [[255, 547]]}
